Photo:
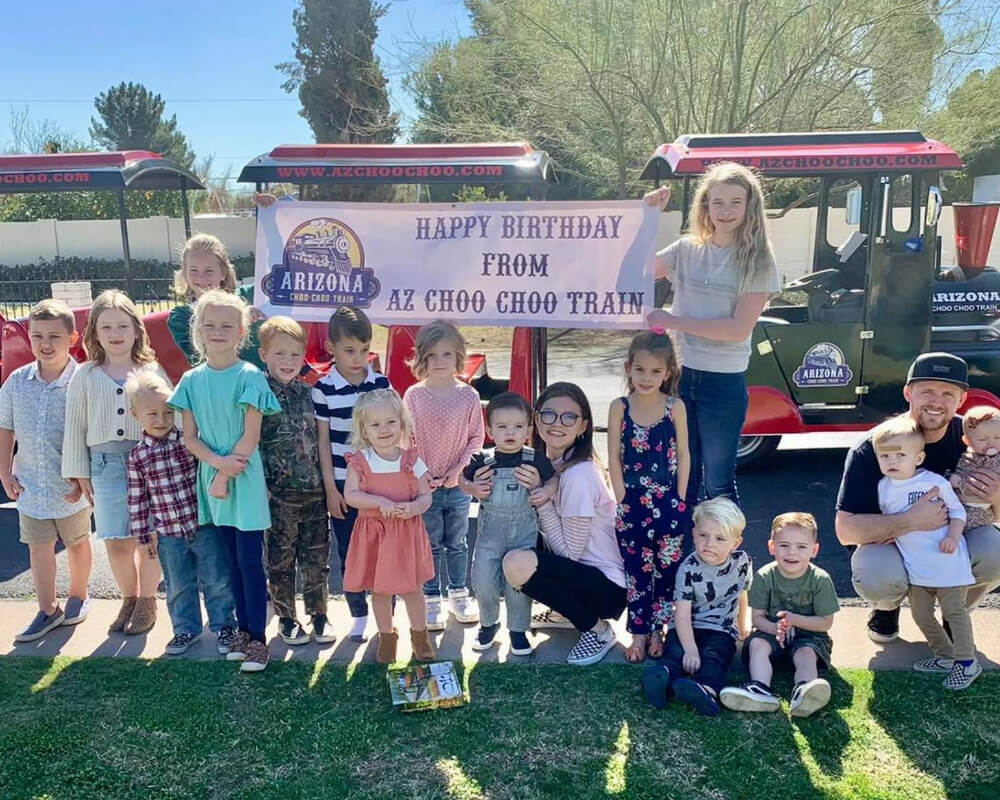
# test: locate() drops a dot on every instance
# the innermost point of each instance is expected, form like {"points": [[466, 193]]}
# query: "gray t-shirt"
{"points": [[707, 283], [714, 592]]}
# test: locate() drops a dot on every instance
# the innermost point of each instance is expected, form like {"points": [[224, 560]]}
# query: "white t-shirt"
{"points": [[583, 493], [383, 467], [707, 284], [925, 564]]}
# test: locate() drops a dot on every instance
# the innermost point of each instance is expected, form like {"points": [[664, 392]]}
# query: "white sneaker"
{"points": [[463, 607], [435, 620]]}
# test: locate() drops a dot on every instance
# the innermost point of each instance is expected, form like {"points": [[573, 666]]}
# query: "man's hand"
{"points": [[336, 507], [12, 486], [982, 486], [928, 513], [691, 661]]}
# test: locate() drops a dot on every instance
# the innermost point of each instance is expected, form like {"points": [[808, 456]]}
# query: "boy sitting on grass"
{"points": [[793, 604], [710, 612]]}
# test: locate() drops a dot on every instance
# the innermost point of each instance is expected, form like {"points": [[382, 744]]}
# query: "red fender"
{"points": [[16, 348], [770, 412], [979, 397]]}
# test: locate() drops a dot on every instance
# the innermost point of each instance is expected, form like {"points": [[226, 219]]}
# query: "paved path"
{"points": [[852, 647]]}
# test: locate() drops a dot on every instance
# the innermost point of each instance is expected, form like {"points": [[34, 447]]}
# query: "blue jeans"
{"points": [[716, 405], [246, 552], [447, 523], [186, 564]]}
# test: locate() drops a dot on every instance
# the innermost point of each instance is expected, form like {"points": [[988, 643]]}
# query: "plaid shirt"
{"points": [[162, 493]]}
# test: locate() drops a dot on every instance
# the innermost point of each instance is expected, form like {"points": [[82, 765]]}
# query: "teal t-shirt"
{"points": [[219, 400], [811, 595]]}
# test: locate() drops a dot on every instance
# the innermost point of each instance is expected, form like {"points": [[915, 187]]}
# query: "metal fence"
{"points": [[18, 296]]}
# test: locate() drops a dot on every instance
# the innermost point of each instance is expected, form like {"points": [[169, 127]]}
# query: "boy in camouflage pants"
{"points": [[299, 526]]}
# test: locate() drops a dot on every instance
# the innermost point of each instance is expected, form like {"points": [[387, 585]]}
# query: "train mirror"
{"points": [[934, 204]]}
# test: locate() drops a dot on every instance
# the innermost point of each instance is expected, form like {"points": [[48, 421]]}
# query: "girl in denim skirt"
{"points": [[100, 433]]}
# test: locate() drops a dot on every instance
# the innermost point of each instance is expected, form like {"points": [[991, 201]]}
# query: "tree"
{"points": [[132, 118], [28, 135], [339, 80]]}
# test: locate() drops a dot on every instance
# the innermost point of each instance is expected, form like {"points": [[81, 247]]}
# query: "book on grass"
{"points": [[425, 687]]}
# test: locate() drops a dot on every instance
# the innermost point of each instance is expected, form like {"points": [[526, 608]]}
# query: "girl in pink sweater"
{"points": [[448, 429]]}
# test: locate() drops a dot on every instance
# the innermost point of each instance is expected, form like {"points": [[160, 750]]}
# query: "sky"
{"points": [[211, 60]]}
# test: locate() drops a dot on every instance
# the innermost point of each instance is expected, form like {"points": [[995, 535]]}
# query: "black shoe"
{"points": [[485, 637], [883, 626], [322, 633], [292, 632], [697, 696], [520, 644], [655, 685]]}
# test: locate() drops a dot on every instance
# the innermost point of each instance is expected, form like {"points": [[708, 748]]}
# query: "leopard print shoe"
{"points": [[124, 615], [143, 616]]}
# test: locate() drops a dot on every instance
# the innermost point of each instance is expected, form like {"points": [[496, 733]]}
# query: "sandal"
{"points": [[655, 645], [636, 651]]}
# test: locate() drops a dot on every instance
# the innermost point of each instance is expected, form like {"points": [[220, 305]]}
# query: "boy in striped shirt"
{"points": [[349, 338]]}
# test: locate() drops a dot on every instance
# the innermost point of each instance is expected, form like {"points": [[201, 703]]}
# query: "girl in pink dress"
{"points": [[389, 553]]}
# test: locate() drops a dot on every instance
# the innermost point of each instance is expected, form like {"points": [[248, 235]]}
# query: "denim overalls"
{"points": [[507, 521]]}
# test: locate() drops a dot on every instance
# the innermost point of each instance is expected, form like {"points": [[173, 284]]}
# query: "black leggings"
{"points": [[579, 592]]}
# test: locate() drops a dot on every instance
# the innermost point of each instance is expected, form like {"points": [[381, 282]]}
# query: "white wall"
{"points": [[161, 239]]}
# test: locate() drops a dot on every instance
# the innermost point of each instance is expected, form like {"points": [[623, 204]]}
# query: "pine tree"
{"points": [[131, 118]]}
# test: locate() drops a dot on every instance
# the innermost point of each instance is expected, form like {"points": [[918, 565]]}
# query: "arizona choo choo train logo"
{"points": [[323, 264], [823, 365]]}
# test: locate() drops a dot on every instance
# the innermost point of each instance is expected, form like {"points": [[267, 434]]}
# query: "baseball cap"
{"points": [[939, 367]]}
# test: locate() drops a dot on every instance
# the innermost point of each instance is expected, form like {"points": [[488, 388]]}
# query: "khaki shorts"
{"points": [[71, 530]]}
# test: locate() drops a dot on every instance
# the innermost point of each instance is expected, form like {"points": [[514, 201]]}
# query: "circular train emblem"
{"points": [[823, 365]]}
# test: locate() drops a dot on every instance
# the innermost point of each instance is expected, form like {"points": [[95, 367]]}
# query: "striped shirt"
{"points": [[333, 400]]}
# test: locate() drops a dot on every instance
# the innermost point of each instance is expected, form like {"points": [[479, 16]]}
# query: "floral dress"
{"points": [[652, 519]]}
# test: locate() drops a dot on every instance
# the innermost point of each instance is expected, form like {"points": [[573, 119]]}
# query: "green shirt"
{"points": [[179, 325], [811, 595]]}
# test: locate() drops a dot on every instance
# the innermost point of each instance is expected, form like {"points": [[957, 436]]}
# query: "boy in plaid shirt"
{"points": [[163, 516]]}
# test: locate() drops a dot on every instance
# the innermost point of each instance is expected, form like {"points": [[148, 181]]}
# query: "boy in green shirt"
{"points": [[793, 603]]}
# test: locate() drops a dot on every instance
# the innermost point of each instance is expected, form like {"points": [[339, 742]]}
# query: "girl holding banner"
{"points": [[723, 272]]}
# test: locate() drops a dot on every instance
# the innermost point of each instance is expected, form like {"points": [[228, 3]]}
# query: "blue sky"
{"points": [[213, 52]]}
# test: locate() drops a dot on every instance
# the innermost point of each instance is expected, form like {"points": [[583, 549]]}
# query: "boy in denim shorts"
{"points": [[507, 520], [33, 413]]}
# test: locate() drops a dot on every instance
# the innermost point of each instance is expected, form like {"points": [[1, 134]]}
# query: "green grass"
{"points": [[99, 728]]}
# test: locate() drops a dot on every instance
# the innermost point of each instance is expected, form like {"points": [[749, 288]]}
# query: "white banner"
{"points": [[566, 265]]}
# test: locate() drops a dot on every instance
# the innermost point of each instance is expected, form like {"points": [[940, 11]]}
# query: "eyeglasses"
{"points": [[567, 419]]}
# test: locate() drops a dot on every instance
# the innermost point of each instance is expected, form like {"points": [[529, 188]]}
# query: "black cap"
{"points": [[939, 367]]}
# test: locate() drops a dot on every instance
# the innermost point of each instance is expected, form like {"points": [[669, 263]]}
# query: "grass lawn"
{"points": [[99, 728]]}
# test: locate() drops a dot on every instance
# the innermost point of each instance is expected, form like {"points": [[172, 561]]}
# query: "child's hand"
{"points": [[219, 487], [388, 508], [231, 465], [786, 631], [658, 197], [13, 488], [691, 661], [81, 487], [264, 200], [336, 506], [948, 545]]}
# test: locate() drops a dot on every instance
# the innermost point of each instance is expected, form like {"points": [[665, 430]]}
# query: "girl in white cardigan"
{"points": [[100, 433]]}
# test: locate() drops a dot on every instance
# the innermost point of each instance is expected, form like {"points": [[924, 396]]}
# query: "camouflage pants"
{"points": [[299, 534]]}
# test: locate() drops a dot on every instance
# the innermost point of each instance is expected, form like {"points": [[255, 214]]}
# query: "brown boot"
{"points": [[124, 615], [143, 616], [386, 652], [423, 648]]}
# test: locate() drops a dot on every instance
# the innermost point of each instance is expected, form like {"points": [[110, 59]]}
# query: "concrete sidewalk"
{"points": [[852, 648]]}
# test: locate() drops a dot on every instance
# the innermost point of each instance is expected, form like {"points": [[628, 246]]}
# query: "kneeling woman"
{"points": [[579, 573]]}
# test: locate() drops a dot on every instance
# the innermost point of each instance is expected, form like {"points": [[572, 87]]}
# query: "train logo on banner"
{"points": [[323, 264]]}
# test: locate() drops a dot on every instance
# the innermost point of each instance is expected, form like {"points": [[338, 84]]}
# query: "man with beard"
{"points": [[935, 389]]}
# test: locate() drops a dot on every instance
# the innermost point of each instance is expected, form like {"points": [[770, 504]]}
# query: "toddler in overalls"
{"points": [[507, 520]]}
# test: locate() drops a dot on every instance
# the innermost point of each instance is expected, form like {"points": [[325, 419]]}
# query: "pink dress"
{"points": [[388, 556]]}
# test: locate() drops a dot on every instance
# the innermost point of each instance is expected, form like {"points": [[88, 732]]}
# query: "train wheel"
{"points": [[753, 452]]}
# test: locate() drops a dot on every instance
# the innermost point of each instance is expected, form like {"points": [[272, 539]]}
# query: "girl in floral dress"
{"points": [[649, 466]]}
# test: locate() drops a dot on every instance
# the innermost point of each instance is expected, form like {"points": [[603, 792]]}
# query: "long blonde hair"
{"points": [[218, 298], [116, 300], [204, 243], [754, 254]]}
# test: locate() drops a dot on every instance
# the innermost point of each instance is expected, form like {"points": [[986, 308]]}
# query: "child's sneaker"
{"points": [[76, 610], [322, 633], [360, 624], [463, 607], [751, 696], [520, 644], [435, 620], [292, 632], [549, 619], [934, 665], [40, 625], [963, 673], [655, 685], [238, 647], [697, 696], [180, 643], [591, 647], [808, 697], [225, 640], [257, 657], [486, 636]]}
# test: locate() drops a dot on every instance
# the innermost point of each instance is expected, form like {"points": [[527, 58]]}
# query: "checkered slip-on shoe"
{"points": [[550, 619], [591, 647], [962, 675], [942, 665]]}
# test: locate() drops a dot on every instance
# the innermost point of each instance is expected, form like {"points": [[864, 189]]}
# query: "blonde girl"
{"points": [[222, 402], [389, 552], [205, 266], [100, 432], [723, 273], [648, 464], [449, 430]]}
